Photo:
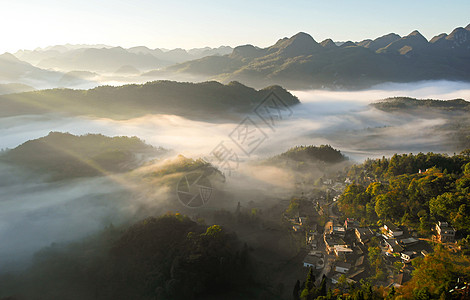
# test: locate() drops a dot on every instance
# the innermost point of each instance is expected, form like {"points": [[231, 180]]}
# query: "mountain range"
{"points": [[107, 59], [300, 62]]}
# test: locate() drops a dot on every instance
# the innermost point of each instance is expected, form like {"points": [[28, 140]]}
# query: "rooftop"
{"points": [[391, 226], [344, 265]]}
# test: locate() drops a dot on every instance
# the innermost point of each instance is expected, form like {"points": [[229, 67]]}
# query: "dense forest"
{"points": [[170, 257], [413, 190]]}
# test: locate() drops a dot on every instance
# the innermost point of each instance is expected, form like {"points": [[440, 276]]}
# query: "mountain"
{"points": [[13, 70], [328, 43], [298, 45], [63, 155], [415, 41], [106, 59], [379, 42], [458, 41], [100, 60], [299, 62], [207, 100]]}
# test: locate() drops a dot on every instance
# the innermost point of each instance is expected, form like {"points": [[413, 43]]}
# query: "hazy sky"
{"points": [[27, 24]]}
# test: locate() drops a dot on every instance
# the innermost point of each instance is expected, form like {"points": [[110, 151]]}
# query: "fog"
{"points": [[35, 213]]}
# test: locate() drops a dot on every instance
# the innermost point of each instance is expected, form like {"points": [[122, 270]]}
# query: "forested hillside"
{"points": [[414, 190]]}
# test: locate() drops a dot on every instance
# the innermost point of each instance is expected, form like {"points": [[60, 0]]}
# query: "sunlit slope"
{"points": [[63, 155]]}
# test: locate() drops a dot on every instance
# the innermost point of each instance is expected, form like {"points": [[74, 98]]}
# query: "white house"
{"points": [[392, 229], [342, 267]]}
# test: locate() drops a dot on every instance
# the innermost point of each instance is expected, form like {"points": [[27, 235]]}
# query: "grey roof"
{"points": [[344, 265], [359, 261], [311, 259], [410, 240], [391, 226]]}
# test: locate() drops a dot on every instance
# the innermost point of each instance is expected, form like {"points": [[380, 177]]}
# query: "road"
{"points": [[331, 210]]}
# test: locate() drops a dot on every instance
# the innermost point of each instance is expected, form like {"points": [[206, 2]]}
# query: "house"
{"points": [[392, 229], [314, 261], [335, 279], [342, 267], [314, 244], [331, 241], [445, 233], [364, 234], [408, 255], [393, 246], [337, 229], [342, 250], [350, 224], [409, 242], [402, 278]]}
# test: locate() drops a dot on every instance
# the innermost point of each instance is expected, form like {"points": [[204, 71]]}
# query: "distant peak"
{"points": [[392, 35], [468, 27], [302, 35], [246, 51], [8, 56], [348, 44], [328, 43], [457, 30], [416, 33], [438, 37], [299, 44]]}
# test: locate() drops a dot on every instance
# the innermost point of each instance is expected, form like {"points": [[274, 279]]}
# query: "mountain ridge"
{"points": [[299, 62]]}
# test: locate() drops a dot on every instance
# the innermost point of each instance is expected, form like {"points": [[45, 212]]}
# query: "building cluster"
{"points": [[347, 243]]}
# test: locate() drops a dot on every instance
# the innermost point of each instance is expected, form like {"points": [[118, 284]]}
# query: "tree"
{"points": [[296, 291], [322, 290], [466, 169]]}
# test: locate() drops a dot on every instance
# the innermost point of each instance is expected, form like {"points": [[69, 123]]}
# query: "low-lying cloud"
{"points": [[34, 214]]}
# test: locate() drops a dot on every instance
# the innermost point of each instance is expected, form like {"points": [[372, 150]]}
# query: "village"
{"points": [[346, 252]]}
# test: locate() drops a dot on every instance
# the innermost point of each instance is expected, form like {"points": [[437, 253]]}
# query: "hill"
{"points": [[207, 100], [63, 155], [407, 104], [13, 70], [299, 62], [323, 153], [308, 160]]}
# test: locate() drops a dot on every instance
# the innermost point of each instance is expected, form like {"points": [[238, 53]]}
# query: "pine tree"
{"points": [[310, 283], [322, 289], [296, 292]]}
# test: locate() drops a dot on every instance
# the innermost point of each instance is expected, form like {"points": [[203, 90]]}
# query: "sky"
{"points": [[27, 24]]}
